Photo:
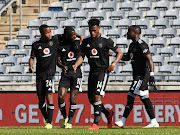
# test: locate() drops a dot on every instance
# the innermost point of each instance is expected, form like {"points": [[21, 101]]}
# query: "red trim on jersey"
{"points": [[116, 49], [32, 57], [148, 54]]}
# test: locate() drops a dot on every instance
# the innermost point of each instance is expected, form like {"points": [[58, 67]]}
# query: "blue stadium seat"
{"points": [[56, 6]]}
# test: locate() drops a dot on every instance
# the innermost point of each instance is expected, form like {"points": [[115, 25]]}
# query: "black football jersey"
{"points": [[97, 52], [68, 51], [137, 52], [46, 56]]}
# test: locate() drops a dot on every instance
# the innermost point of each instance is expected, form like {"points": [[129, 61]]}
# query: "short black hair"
{"points": [[68, 30], [93, 22], [42, 27], [136, 28]]}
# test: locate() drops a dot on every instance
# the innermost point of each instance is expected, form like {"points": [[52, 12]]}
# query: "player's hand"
{"points": [[65, 68], [151, 80], [111, 67], [31, 69], [74, 67]]}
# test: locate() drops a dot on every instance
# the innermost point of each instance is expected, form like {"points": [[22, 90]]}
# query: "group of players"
{"points": [[68, 54]]}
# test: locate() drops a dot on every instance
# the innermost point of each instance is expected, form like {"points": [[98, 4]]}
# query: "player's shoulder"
{"points": [[142, 43], [106, 39], [36, 41]]}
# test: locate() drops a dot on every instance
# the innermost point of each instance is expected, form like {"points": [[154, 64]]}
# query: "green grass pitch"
{"points": [[85, 131]]}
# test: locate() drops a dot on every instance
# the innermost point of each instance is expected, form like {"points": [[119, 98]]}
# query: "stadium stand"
{"points": [[159, 21]]}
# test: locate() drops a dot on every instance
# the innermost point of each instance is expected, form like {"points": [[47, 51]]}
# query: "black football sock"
{"points": [[72, 110], [50, 112], [129, 106], [62, 108], [97, 111], [105, 111], [149, 107], [44, 111]]}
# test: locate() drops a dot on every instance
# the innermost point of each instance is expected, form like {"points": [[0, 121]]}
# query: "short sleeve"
{"points": [[145, 49], [33, 54], [110, 45], [83, 46]]}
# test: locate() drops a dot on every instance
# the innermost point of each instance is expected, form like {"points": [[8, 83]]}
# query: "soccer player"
{"points": [[68, 54], [96, 48], [143, 72], [45, 51]]}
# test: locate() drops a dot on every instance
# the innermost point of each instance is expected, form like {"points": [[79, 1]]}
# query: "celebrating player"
{"points": [[68, 52], [45, 51], [96, 48], [143, 72]]}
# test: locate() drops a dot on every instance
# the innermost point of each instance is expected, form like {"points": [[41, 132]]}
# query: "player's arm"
{"points": [[80, 37], [60, 65], [119, 55], [31, 59], [147, 54], [31, 62], [79, 60], [151, 66]]}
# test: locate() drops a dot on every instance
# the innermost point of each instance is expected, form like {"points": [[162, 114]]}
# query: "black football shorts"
{"points": [[44, 86], [71, 79], [139, 86], [97, 82]]}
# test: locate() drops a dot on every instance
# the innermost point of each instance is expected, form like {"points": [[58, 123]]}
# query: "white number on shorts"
{"points": [[48, 83]]}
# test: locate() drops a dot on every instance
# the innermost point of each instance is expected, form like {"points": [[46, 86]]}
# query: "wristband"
{"points": [[151, 73]]}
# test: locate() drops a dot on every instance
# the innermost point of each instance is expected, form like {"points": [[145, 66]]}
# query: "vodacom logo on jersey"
{"points": [[46, 51], [71, 55], [94, 51]]}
